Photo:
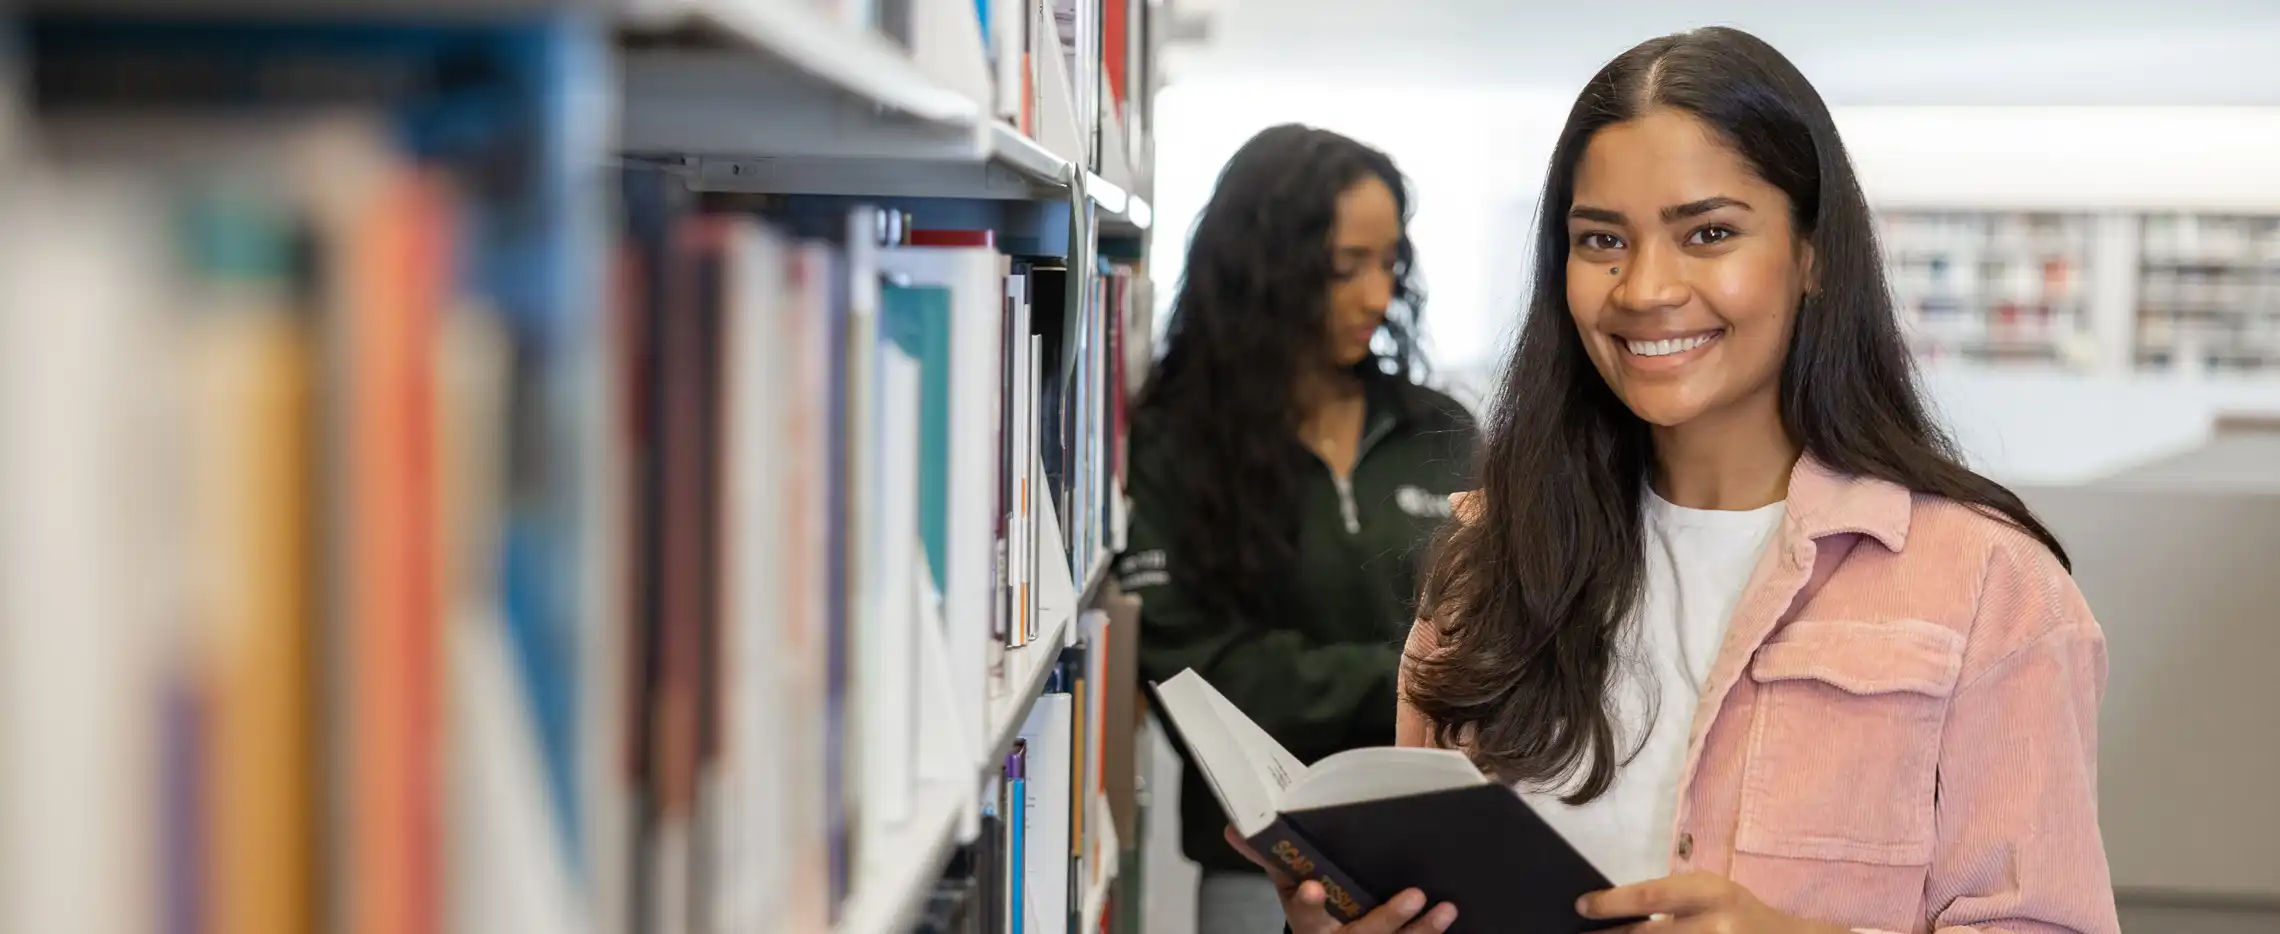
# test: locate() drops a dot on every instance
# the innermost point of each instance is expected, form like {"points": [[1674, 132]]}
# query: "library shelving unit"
{"points": [[1995, 288], [654, 465], [2108, 291], [2209, 293]]}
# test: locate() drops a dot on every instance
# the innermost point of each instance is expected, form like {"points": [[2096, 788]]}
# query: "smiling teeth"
{"points": [[1664, 348]]}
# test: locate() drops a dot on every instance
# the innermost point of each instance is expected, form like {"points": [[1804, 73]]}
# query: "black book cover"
{"points": [[1049, 318], [1481, 848]]}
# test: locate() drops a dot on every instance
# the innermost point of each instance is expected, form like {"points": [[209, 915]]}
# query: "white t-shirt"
{"points": [[1697, 563]]}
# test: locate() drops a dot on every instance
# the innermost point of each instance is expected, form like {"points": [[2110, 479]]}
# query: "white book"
{"points": [[886, 646], [1255, 778], [976, 279], [503, 868], [754, 835], [1019, 443], [1017, 404], [1048, 796], [80, 275], [1006, 26], [1033, 500], [804, 327], [604, 628], [865, 353]]}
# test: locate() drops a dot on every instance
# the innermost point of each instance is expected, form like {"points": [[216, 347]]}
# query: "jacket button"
{"points": [[1685, 846]]}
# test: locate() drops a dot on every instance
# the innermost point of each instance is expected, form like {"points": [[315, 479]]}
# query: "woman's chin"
{"points": [[1663, 411]]}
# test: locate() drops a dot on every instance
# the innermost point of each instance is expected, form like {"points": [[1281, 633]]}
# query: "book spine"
{"points": [[1281, 841]]}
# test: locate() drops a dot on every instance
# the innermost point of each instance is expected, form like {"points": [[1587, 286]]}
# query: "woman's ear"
{"points": [[1807, 272]]}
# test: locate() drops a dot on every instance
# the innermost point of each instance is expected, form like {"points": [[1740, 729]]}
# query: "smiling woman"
{"points": [[1727, 610]]}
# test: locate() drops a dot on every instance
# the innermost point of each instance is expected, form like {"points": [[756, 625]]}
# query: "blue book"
{"points": [[1017, 823], [917, 320]]}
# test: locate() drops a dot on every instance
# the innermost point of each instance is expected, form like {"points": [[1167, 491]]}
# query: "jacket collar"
{"points": [[1825, 502]]}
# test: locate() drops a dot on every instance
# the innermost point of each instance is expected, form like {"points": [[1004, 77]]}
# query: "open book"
{"points": [[1369, 823]]}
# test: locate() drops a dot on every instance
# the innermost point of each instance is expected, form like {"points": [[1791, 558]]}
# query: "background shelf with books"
{"points": [[2209, 293], [2178, 293], [1992, 288], [618, 466]]}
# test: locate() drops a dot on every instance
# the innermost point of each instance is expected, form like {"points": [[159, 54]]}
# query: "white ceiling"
{"points": [[1922, 52]]}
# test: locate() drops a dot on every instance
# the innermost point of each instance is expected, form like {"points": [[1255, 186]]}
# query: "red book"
{"points": [[985, 238], [1115, 33], [399, 279]]}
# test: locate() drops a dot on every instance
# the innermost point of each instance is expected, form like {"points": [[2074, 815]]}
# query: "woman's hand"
{"points": [[1302, 905], [1695, 903]]}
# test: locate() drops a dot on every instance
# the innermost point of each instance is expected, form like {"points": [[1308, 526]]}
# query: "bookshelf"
{"points": [[1026, 671], [1993, 288], [2174, 293], [858, 63], [696, 424], [889, 901], [2209, 294]]}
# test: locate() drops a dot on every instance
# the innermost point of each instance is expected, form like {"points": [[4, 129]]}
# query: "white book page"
{"points": [[1379, 773], [1248, 783], [1266, 755]]}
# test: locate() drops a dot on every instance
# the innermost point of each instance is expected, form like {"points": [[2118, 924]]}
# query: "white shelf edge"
{"points": [[890, 893], [859, 62], [1035, 661], [1026, 670], [1095, 576], [1138, 213], [1110, 196], [1028, 156]]}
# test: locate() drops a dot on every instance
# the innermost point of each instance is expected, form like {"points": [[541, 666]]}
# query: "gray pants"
{"points": [[1237, 903]]}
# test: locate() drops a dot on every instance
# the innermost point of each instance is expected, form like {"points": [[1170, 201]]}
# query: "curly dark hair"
{"points": [[1532, 595], [1248, 315]]}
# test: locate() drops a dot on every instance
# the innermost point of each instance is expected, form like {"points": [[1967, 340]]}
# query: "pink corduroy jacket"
{"points": [[1900, 732]]}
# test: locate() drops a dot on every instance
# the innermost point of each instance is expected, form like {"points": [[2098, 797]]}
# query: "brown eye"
{"points": [[1599, 241], [1715, 233]]}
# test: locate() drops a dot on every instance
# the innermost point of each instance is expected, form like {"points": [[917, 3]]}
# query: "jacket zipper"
{"points": [[1345, 484]]}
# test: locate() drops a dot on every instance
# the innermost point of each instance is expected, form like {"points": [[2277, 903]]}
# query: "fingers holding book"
{"points": [[1305, 904], [1307, 913]]}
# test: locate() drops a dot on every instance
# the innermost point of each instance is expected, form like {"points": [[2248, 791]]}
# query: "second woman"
{"points": [[1287, 469]]}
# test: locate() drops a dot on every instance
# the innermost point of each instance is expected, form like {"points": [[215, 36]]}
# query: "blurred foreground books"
{"points": [[291, 464], [412, 523]]}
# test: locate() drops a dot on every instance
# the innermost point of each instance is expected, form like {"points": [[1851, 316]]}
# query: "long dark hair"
{"points": [[1248, 316], [1531, 595]]}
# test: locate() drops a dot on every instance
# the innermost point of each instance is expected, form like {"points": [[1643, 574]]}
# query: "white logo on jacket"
{"points": [[1421, 503], [1142, 569]]}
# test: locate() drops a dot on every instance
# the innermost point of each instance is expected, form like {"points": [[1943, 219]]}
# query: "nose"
{"points": [[1653, 278], [1376, 294]]}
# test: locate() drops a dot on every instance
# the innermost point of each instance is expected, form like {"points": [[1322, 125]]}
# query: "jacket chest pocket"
{"points": [[1844, 741]]}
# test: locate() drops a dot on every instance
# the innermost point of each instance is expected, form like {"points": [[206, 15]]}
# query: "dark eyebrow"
{"points": [[1584, 212], [1704, 206]]}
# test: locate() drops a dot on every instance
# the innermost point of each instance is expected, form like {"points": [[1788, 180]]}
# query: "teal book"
{"points": [[917, 320]]}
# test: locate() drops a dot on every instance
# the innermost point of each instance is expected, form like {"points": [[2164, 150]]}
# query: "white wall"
{"points": [[1476, 160], [1475, 182]]}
